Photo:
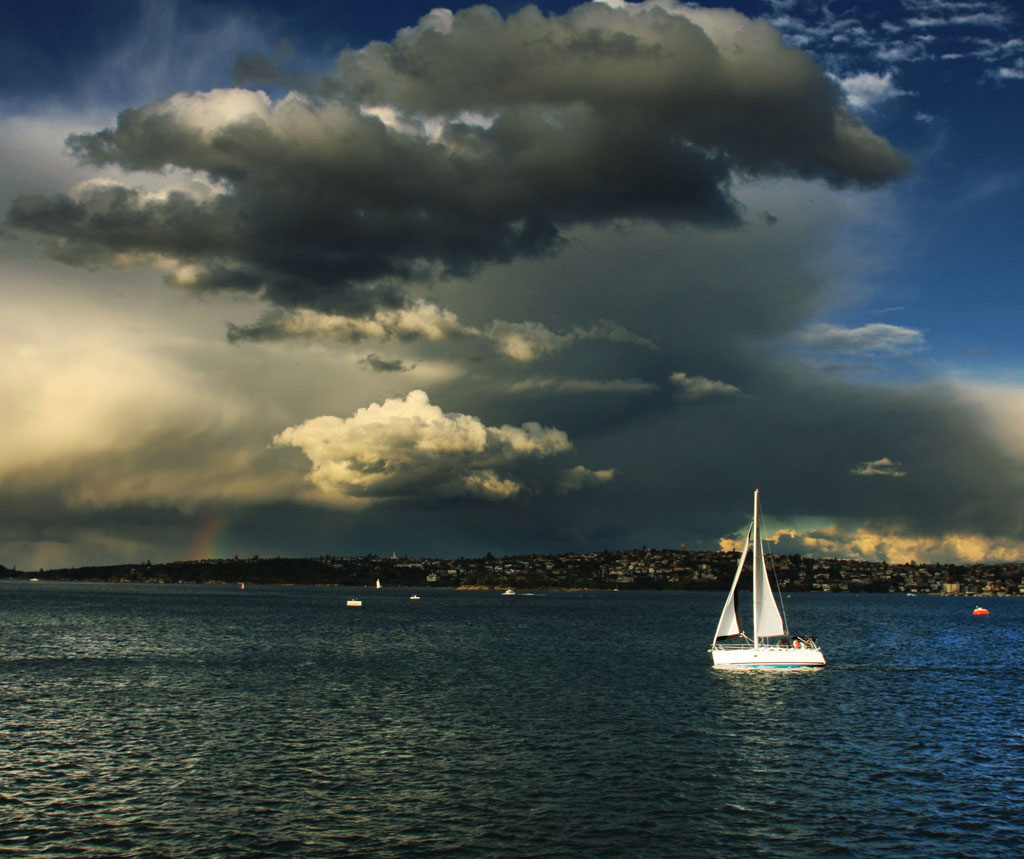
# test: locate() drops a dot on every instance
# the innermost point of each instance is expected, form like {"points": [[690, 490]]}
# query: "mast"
{"points": [[757, 583]]}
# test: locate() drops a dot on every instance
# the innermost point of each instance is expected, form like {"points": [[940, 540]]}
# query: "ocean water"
{"points": [[182, 721]]}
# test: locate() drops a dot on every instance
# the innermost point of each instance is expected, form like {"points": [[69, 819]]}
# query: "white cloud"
{"points": [[883, 467], [865, 91], [1011, 73], [875, 338], [409, 447], [700, 387]]}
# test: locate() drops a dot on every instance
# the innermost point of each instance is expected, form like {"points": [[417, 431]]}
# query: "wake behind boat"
{"points": [[770, 644]]}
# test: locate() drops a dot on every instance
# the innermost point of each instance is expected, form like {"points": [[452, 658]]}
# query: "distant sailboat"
{"points": [[770, 645], [378, 584]]}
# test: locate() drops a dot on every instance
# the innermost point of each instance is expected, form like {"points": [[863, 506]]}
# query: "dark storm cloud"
{"points": [[713, 78], [469, 140]]}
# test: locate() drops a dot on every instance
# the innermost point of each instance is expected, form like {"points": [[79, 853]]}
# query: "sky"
{"points": [[320, 278]]}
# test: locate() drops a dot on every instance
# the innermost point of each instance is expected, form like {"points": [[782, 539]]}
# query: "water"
{"points": [[164, 720]]}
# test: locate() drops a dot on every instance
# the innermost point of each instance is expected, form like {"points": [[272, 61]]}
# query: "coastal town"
{"points": [[639, 569]]}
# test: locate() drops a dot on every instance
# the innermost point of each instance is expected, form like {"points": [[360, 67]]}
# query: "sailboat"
{"points": [[770, 645], [378, 584]]}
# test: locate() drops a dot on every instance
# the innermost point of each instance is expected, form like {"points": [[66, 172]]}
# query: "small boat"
{"points": [[770, 644], [378, 584], [979, 610], [509, 593], [414, 597], [353, 602]]}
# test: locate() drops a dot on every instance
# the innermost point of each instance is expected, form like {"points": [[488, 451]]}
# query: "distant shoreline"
{"points": [[638, 569]]}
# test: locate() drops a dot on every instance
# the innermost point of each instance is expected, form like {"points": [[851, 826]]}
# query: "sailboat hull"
{"points": [[767, 656]]}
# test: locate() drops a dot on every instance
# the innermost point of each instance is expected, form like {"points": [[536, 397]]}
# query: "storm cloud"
{"points": [[469, 139]]}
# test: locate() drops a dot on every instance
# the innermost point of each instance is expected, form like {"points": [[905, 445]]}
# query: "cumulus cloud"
{"points": [[883, 467], [701, 387], [404, 448], [468, 139], [876, 338]]}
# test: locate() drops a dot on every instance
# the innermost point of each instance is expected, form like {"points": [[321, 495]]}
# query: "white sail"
{"points": [[729, 623], [767, 620]]}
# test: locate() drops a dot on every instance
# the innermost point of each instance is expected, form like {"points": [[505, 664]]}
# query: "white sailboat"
{"points": [[378, 584], [770, 644]]}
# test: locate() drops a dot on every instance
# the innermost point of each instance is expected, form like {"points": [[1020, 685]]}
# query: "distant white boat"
{"points": [[770, 644], [509, 593], [378, 584], [414, 597], [353, 602]]}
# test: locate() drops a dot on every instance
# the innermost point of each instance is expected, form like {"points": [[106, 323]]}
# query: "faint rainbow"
{"points": [[208, 540]]}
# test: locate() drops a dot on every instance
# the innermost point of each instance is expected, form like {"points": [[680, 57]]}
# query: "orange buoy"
{"points": [[980, 610]]}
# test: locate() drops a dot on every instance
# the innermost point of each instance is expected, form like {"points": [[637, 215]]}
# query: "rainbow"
{"points": [[208, 540]]}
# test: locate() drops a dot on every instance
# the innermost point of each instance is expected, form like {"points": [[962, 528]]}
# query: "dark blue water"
{"points": [[161, 720]]}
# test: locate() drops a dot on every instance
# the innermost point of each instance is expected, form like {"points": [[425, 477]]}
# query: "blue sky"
{"points": [[353, 280]]}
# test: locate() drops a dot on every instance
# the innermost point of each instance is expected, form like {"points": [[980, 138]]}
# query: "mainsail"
{"points": [[767, 619]]}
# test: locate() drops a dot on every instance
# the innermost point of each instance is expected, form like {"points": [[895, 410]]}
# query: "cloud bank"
{"points": [[469, 139]]}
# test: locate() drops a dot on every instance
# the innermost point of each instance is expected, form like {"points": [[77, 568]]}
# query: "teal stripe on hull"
{"points": [[779, 665]]}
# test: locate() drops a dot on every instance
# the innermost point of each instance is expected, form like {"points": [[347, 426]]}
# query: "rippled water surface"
{"points": [[164, 720]]}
